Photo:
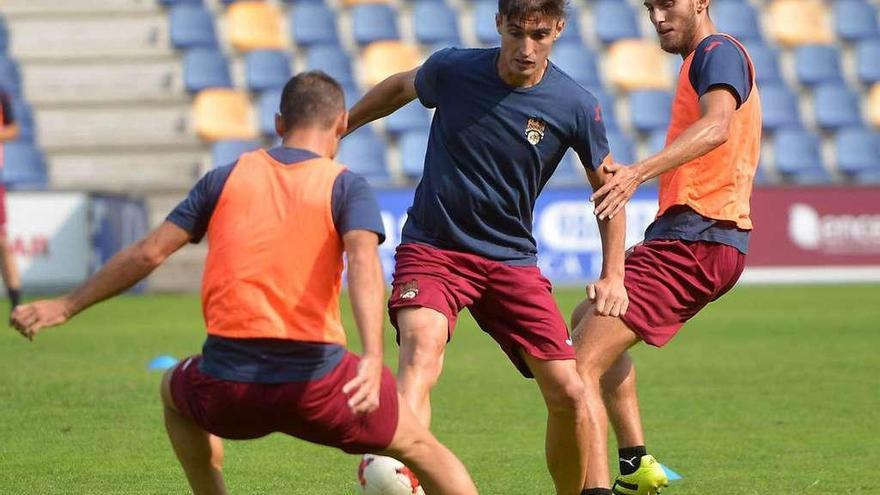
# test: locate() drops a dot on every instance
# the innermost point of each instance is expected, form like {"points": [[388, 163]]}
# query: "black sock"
{"points": [[630, 458], [597, 491], [14, 297]]}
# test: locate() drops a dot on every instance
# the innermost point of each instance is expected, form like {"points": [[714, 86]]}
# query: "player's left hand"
{"points": [[363, 389], [609, 296], [29, 319], [615, 193]]}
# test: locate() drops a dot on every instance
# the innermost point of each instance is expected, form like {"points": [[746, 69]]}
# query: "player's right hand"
{"points": [[29, 319], [363, 389], [609, 296]]}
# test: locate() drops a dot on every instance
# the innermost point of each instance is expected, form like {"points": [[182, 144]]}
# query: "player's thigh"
{"points": [[558, 381], [422, 334], [599, 341]]}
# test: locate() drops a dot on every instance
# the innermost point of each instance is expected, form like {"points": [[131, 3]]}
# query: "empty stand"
{"points": [[413, 146], [254, 25], [191, 25], [738, 19], [779, 107], [223, 114], [577, 61], [385, 58], [855, 20], [364, 152], [615, 20], [373, 22], [650, 109], [651, 72], [411, 117], [228, 151], [836, 106], [798, 22], [205, 68], [798, 157], [267, 69], [816, 64], [858, 153], [868, 61], [435, 23], [313, 23]]}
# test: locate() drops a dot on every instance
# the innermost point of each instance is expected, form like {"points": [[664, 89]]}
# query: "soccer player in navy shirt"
{"points": [[504, 119], [8, 269]]}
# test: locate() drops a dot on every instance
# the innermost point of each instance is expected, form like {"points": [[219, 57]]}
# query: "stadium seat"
{"points": [[413, 146], [205, 68], [484, 22], [858, 152], [652, 71], [738, 19], [435, 23], [24, 117], [607, 104], [10, 78], [816, 64], [228, 151], [385, 58], [615, 20], [313, 23], [577, 61], [798, 22], [23, 166], [373, 22], [364, 153], [411, 117], [191, 26], [333, 60], [622, 147], [836, 106], [266, 69], [765, 58], [798, 157], [779, 106], [267, 106], [874, 105], [855, 20], [223, 114], [650, 109], [656, 141], [868, 61], [254, 25]]}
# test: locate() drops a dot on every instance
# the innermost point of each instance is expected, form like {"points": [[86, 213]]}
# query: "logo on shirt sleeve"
{"points": [[535, 130]]}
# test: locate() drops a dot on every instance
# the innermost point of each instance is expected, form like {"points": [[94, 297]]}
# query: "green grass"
{"points": [[770, 390]]}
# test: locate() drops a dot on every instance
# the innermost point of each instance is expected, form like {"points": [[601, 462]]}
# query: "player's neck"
{"points": [[704, 30], [318, 141]]}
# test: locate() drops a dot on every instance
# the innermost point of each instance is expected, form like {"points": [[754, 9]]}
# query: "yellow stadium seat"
{"points": [[222, 113], [384, 58], [798, 22], [874, 105], [638, 64], [254, 25]]}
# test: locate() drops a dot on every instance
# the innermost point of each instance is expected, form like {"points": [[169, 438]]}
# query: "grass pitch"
{"points": [[772, 390]]}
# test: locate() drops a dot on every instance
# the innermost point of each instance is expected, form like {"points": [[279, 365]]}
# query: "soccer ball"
{"points": [[380, 475]]}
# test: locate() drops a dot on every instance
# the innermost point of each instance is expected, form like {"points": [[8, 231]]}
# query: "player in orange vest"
{"points": [[278, 223], [695, 250], [8, 269]]}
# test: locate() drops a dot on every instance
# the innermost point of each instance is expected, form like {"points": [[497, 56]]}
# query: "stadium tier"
{"points": [[191, 82]]}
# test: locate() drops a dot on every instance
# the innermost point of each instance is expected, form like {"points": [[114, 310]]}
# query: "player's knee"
{"points": [[423, 353], [567, 396]]}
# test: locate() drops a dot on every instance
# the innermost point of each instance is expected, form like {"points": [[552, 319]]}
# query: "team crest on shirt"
{"points": [[409, 290], [535, 130]]}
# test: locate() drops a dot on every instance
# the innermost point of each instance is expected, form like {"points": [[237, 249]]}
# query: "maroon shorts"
{"points": [[513, 304], [313, 410], [668, 282]]}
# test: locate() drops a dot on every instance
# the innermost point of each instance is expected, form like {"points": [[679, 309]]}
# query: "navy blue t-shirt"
{"points": [[491, 150], [353, 207], [718, 63]]}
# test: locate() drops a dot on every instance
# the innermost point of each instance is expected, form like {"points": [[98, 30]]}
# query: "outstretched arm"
{"points": [[609, 293], [384, 99], [126, 268]]}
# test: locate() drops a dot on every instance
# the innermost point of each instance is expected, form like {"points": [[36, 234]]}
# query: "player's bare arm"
{"points": [[366, 287], [609, 293], [9, 132], [126, 268], [383, 99], [709, 132]]}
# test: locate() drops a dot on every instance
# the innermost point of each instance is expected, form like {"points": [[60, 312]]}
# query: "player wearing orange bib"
{"points": [[695, 250], [278, 223]]}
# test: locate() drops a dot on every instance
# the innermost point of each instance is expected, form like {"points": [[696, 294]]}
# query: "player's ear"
{"points": [[341, 124], [560, 27], [280, 128], [498, 21], [702, 5]]}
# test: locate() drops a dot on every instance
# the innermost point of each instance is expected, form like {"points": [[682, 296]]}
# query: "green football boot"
{"points": [[648, 479]]}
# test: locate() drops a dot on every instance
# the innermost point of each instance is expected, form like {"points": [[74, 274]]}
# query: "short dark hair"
{"points": [[523, 9], [311, 99]]}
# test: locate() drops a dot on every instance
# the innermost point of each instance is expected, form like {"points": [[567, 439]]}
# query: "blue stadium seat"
{"points": [[577, 61], [858, 152], [738, 19], [10, 78], [205, 68], [191, 26], [650, 109], [410, 117], [484, 22], [622, 147], [373, 22], [413, 146], [855, 20], [226, 152], [836, 106], [868, 61], [572, 31], [607, 104], [24, 166], [435, 23], [24, 117], [779, 106], [765, 58], [333, 60], [656, 141], [798, 157], [364, 153], [313, 23], [816, 64], [615, 20], [267, 107], [266, 69]]}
